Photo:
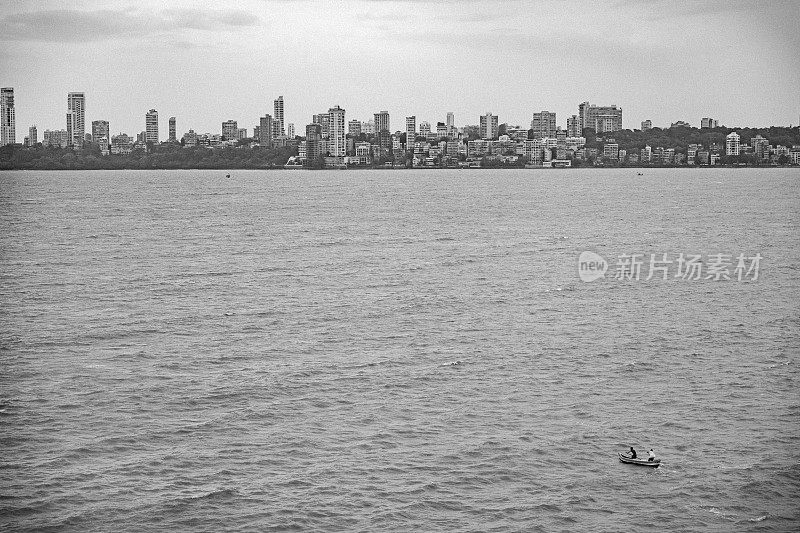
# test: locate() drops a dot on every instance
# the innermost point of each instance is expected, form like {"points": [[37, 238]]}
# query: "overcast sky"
{"points": [[208, 61]]}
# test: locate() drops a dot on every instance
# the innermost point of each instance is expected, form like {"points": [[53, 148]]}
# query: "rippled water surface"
{"points": [[396, 351]]}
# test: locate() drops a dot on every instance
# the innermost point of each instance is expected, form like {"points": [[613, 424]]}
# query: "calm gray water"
{"points": [[396, 351]]}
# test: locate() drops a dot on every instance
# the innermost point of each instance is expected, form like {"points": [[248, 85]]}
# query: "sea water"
{"points": [[398, 350]]}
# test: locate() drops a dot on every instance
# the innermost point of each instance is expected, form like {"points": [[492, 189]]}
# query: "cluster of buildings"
{"points": [[331, 140]]}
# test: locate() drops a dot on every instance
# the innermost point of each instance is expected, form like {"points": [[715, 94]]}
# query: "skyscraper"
{"points": [[411, 131], [290, 130], [33, 136], [172, 136], [543, 125], [450, 119], [488, 126], [151, 126], [265, 131], [76, 116], [336, 130], [278, 118], [382, 122], [313, 141], [8, 124], [354, 128]]}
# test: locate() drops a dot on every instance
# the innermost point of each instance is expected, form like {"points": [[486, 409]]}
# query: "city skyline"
{"points": [[205, 65]]}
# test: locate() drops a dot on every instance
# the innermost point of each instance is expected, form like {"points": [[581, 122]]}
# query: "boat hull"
{"points": [[642, 462]]}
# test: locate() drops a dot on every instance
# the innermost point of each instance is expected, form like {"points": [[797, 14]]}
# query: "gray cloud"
{"points": [[63, 25]]}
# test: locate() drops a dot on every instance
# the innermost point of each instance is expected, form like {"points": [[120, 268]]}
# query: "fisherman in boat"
{"points": [[633, 453], [651, 455]]}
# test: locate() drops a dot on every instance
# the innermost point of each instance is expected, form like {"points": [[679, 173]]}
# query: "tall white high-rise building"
{"points": [[337, 143], [290, 130], [76, 118], [488, 127], [732, 144], [172, 131], [8, 124], [451, 120], [151, 126], [278, 117], [33, 136]]}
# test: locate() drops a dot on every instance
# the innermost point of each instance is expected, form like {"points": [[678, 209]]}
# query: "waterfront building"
{"points": [[602, 119], [336, 131], [323, 119], [172, 130], [33, 136], [101, 131], [101, 134], [411, 131], [760, 146], [382, 122], [488, 126], [363, 152], [58, 138], [278, 118], [425, 129], [121, 144], [314, 141], [647, 125], [574, 126], [543, 124], [708, 123], [732, 144], [190, 138], [384, 139], [230, 129], [76, 118], [441, 130], [354, 128], [151, 126], [265, 131], [8, 121], [611, 151], [680, 124]]}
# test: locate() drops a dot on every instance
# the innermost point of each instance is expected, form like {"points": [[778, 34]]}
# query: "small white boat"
{"points": [[644, 462]]}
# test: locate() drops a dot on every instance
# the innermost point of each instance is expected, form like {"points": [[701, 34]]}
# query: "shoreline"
{"points": [[390, 169]]}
